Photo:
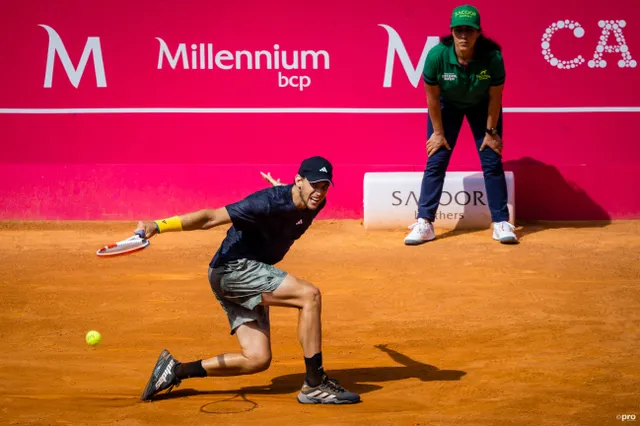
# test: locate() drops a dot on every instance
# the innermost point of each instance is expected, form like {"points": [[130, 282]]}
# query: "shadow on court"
{"points": [[545, 199], [358, 380]]}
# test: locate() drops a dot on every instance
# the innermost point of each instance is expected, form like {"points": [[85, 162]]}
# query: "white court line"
{"points": [[293, 110]]}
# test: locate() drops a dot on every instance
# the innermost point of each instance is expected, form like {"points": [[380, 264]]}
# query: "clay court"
{"points": [[461, 330]]}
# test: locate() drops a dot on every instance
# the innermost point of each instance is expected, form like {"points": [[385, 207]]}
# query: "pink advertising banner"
{"points": [[149, 108]]}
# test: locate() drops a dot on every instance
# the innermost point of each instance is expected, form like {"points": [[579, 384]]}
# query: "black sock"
{"points": [[190, 369], [314, 369]]}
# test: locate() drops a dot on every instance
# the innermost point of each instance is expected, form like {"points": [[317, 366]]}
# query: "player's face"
{"points": [[465, 38], [312, 194]]}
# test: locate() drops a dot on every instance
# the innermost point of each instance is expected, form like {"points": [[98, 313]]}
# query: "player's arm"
{"points": [[198, 220], [204, 219], [271, 180]]}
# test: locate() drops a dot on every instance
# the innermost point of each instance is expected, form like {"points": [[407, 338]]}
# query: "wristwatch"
{"points": [[492, 131]]}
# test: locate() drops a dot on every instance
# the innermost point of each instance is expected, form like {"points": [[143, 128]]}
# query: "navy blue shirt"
{"points": [[265, 226]]}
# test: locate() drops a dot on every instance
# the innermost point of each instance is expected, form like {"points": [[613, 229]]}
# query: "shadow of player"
{"points": [[357, 380]]}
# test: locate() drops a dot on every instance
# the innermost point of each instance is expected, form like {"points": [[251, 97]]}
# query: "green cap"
{"points": [[465, 15]]}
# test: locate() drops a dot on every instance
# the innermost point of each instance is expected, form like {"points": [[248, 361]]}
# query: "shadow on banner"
{"points": [[544, 199]]}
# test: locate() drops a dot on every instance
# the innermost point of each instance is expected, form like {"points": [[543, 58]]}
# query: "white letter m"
{"points": [[396, 45], [74, 74]]}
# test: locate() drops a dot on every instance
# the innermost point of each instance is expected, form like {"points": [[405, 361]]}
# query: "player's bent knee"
{"points": [[258, 361], [312, 295]]}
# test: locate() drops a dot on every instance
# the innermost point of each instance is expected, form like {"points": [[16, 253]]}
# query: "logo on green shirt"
{"points": [[483, 75]]}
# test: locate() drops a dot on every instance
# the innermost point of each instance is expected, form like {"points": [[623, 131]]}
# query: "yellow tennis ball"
{"points": [[93, 338]]}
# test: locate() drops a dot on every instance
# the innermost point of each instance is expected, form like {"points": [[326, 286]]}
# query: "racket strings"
{"points": [[130, 243], [125, 245]]}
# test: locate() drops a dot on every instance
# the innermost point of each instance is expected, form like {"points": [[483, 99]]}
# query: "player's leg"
{"points": [[254, 357], [296, 293], [433, 177], [493, 172], [318, 388], [237, 287], [245, 290]]}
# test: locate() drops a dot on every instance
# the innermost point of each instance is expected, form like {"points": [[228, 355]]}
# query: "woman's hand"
{"points": [[435, 142], [494, 142]]}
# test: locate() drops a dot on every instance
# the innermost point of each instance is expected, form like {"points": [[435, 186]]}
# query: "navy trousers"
{"points": [[434, 174]]}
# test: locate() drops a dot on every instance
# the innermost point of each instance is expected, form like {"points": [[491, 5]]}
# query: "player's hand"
{"points": [[271, 180], [435, 142], [493, 142], [150, 229]]}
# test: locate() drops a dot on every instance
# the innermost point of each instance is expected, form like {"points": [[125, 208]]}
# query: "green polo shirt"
{"points": [[463, 86]]}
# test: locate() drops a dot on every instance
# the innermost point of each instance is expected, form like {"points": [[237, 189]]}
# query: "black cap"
{"points": [[316, 169]]}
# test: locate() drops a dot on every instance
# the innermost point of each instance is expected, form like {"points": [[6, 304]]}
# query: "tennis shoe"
{"points": [[162, 377], [328, 391], [503, 232]]}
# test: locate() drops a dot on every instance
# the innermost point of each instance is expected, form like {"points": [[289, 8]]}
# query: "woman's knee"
{"points": [[437, 164], [492, 164]]}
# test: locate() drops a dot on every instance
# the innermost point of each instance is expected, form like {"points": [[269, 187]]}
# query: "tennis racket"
{"points": [[130, 245]]}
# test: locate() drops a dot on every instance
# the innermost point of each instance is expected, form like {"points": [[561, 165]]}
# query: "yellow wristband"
{"points": [[172, 224]]}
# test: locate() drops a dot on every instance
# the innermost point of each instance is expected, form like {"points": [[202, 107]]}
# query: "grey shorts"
{"points": [[238, 286]]}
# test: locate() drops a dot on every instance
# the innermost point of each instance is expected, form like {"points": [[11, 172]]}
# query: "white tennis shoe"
{"points": [[421, 232], [503, 232]]}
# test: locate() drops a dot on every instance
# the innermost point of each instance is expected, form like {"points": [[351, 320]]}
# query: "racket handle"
{"points": [[140, 233]]}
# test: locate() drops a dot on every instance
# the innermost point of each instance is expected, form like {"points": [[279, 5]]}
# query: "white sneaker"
{"points": [[503, 232], [421, 232]]}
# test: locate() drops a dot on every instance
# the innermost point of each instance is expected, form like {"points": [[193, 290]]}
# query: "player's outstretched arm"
{"points": [[198, 220], [267, 176]]}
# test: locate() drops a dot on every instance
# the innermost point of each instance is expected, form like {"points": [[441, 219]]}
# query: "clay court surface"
{"points": [[459, 331]]}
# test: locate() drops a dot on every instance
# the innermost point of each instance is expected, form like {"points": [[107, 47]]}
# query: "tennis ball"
{"points": [[93, 338]]}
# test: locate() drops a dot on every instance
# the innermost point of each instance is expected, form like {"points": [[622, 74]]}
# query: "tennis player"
{"points": [[242, 275]]}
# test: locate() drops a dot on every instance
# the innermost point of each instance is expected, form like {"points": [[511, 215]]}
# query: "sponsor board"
{"points": [[391, 200]]}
